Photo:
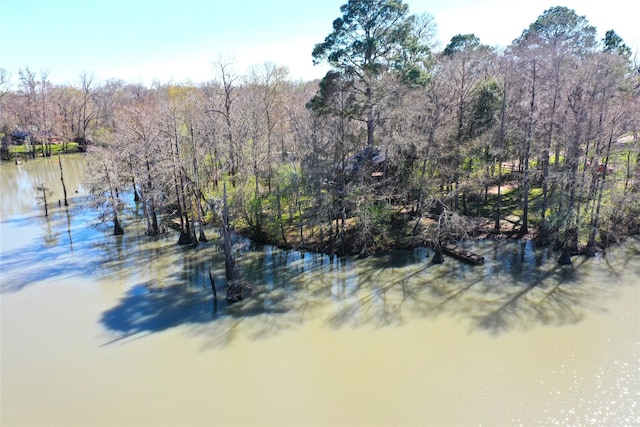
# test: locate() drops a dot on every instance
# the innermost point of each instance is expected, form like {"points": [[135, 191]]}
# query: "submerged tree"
{"points": [[143, 162], [229, 262], [43, 193], [64, 187], [105, 185]]}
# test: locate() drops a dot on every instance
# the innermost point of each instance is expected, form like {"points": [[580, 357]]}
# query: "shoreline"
{"points": [[403, 242]]}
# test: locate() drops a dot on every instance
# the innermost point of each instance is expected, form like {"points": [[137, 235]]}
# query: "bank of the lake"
{"points": [[15, 152], [401, 233]]}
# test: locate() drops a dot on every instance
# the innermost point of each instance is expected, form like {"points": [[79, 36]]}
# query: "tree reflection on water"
{"points": [[519, 287]]}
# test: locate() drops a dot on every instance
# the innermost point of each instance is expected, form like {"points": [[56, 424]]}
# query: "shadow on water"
{"points": [[146, 310], [292, 287], [519, 287], [183, 296]]}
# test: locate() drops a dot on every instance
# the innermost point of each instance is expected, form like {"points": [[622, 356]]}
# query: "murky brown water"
{"points": [[98, 330]]}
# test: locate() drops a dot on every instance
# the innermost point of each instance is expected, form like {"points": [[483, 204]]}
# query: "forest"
{"points": [[401, 144]]}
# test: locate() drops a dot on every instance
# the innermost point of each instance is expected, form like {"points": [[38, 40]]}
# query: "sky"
{"points": [[142, 41]]}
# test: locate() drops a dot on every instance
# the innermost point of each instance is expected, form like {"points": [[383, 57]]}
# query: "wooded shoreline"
{"points": [[406, 241], [400, 144], [403, 235]]}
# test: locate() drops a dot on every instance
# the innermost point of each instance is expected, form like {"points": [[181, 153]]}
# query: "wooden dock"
{"points": [[462, 254]]}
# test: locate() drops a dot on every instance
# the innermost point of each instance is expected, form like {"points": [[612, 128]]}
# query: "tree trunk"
{"points": [[370, 117], [549, 139], [136, 196], [117, 228], [498, 157], [565, 257], [524, 229], [438, 257], [44, 200], [113, 199], [283, 234], [595, 223], [229, 263], [178, 180], [149, 204], [498, 213], [202, 237], [64, 187]]}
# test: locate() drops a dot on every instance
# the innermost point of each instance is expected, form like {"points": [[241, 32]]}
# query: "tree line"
{"points": [[400, 144]]}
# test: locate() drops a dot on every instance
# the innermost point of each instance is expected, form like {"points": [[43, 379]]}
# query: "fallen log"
{"points": [[462, 254]]}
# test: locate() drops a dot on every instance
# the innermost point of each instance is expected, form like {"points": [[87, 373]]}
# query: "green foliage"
{"points": [[365, 37], [374, 218], [377, 36], [336, 97], [461, 43], [415, 62], [68, 147], [562, 28], [484, 106], [613, 43], [267, 214]]}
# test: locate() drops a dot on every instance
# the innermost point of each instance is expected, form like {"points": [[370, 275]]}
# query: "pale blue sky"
{"points": [[176, 40]]}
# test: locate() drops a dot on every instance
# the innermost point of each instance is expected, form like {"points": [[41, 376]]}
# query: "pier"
{"points": [[462, 254]]}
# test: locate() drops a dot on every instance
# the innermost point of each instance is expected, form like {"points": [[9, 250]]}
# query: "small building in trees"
{"points": [[369, 160]]}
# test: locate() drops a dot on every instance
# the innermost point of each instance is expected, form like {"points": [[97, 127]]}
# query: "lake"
{"points": [[113, 331]]}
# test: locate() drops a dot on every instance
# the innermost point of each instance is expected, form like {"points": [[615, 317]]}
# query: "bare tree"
{"points": [[104, 185], [44, 193], [64, 187], [5, 82], [45, 130], [86, 114], [270, 81], [29, 117], [138, 142], [224, 106]]}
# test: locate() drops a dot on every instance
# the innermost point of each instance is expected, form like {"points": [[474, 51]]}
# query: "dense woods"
{"points": [[400, 144]]}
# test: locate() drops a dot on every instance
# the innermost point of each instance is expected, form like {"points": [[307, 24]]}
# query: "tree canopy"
{"points": [[373, 37], [613, 43], [561, 28], [368, 38]]}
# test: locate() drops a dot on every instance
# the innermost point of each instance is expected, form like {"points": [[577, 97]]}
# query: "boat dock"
{"points": [[462, 254]]}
